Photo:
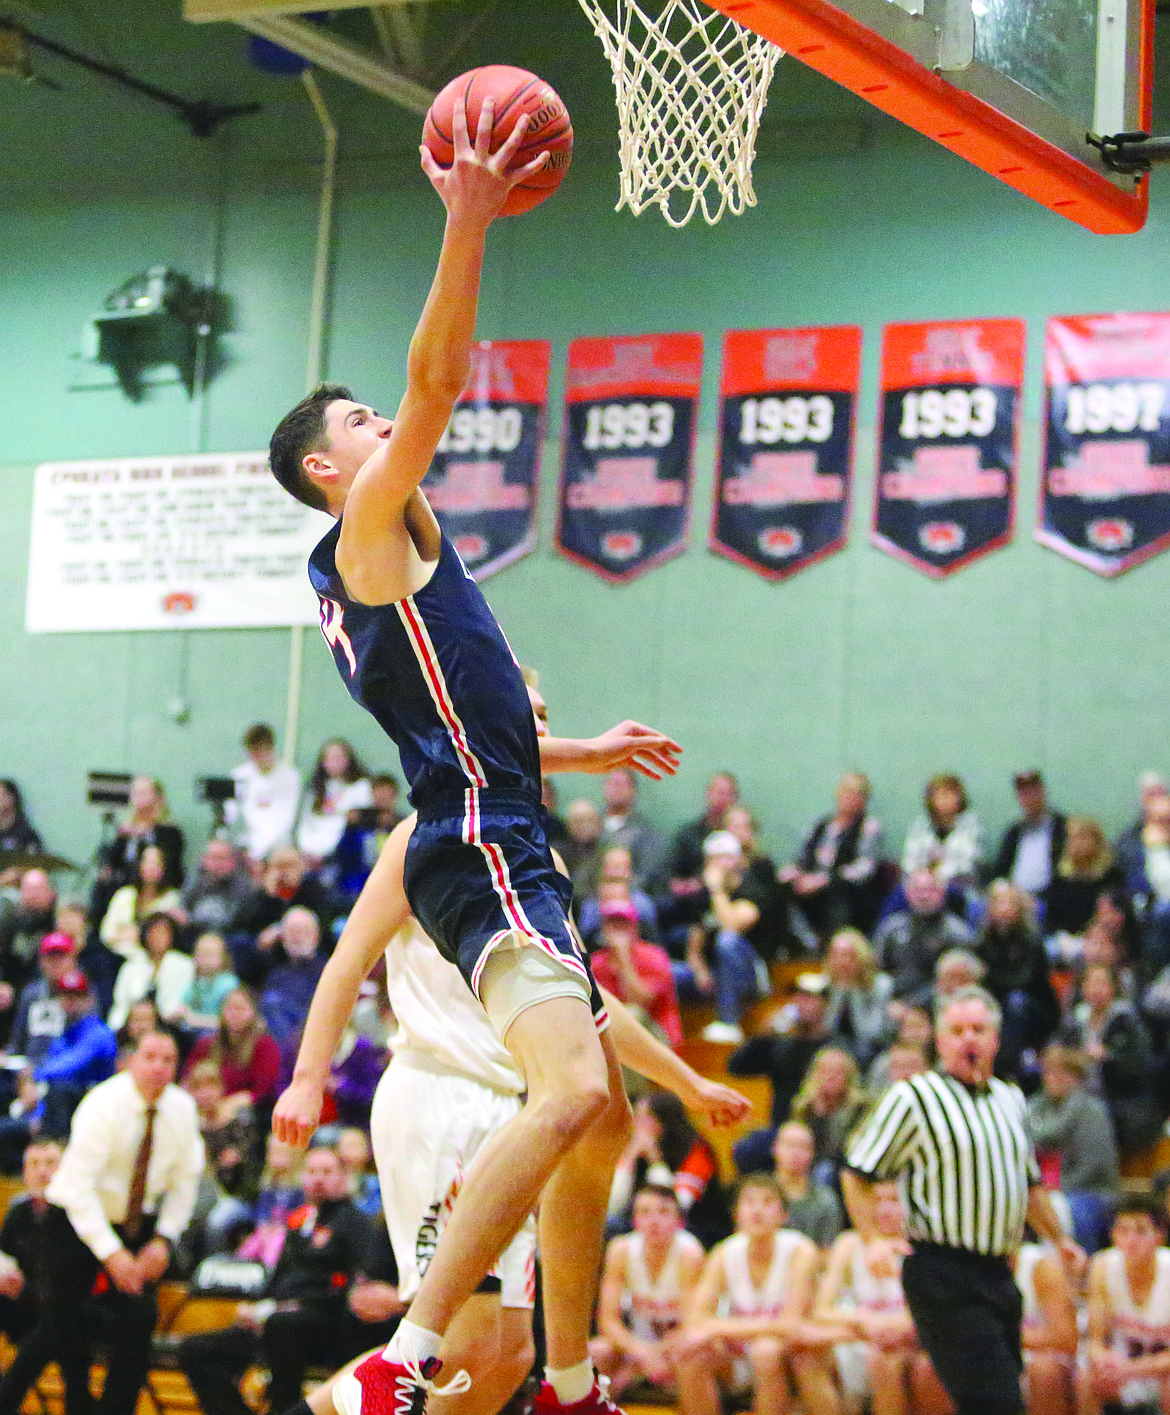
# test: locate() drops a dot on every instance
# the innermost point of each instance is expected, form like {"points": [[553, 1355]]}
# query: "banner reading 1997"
{"points": [[786, 432], [482, 482], [630, 414], [947, 462], [1105, 501]]}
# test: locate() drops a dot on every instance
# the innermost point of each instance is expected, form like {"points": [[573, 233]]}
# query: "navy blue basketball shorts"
{"points": [[480, 878]]}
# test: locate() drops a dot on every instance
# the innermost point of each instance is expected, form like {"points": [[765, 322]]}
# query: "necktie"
{"points": [[132, 1224], [846, 1027]]}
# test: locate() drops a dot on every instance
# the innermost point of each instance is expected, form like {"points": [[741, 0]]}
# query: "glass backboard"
{"points": [[1013, 86]]}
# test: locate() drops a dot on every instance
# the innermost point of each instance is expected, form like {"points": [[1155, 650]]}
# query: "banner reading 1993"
{"points": [[947, 463], [785, 446], [482, 482], [1105, 501], [630, 414]]}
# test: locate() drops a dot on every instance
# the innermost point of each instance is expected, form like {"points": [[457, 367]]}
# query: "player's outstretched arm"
{"points": [[628, 744], [644, 1053], [380, 911], [473, 190]]}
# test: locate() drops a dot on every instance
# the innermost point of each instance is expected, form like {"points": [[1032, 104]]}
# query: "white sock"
{"points": [[573, 1383], [412, 1343]]}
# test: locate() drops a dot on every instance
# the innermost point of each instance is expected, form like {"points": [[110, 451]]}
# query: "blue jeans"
{"points": [[736, 975]]}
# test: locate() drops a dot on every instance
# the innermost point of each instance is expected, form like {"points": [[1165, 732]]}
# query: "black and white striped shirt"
{"points": [[962, 1157]]}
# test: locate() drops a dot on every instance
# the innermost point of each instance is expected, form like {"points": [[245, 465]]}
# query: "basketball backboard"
{"points": [[1013, 86]]}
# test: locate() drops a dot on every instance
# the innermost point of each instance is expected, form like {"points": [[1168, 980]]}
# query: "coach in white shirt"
{"points": [[127, 1183]]}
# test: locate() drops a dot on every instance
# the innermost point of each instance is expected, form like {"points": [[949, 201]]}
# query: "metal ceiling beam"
{"points": [[326, 51], [399, 35], [205, 11]]}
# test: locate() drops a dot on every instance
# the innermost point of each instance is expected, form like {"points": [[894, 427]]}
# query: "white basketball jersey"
{"points": [[745, 1299], [439, 1018], [874, 1294], [652, 1307], [1139, 1331]]}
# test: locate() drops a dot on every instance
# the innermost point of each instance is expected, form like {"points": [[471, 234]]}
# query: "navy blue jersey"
{"points": [[438, 676]]}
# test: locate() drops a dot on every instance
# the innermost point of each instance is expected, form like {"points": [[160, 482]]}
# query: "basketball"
{"points": [[515, 91]]}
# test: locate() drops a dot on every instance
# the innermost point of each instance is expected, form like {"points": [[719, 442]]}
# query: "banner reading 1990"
{"points": [[1105, 501], [482, 482], [786, 433], [630, 414], [947, 462]]}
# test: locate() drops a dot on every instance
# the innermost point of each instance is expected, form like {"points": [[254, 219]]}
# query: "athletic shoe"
{"points": [[726, 1033], [597, 1402], [380, 1387]]}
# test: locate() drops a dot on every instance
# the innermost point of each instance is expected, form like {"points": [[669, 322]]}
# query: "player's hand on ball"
{"points": [[477, 183], [298, 1113]]}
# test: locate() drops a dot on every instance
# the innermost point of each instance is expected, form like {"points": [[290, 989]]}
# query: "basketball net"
{"points": [[691, 87]]}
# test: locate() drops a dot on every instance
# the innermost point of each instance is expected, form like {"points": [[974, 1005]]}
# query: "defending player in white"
{"points": [[450, 1086]]}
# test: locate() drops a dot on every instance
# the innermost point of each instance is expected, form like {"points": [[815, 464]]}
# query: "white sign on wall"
{"points": [[207, 541]]}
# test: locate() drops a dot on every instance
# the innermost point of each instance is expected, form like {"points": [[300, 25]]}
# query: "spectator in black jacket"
{"points": [[1086, 870], [35, 1248], [222, 887], [1031, 847], [17, 836], [835, 877], [149, 823], [1108, 1030], [1011, 950], [255, 945], [24, 921], [297, 1322]]}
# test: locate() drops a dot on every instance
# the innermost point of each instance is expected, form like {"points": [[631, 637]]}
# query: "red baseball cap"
{"points": [[73, 984], [619, 909], [56, 943]]}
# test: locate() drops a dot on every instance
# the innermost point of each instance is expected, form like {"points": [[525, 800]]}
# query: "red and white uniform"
{"points": [[652, 1307], [1139, 1331], [745, 1299], [863, 1292]]}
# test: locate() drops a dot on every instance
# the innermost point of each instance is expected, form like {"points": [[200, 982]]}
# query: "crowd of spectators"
{"points": [[1069, 932]]}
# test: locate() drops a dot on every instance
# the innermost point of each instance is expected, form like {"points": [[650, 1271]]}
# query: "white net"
{"points": [[691, 87]]}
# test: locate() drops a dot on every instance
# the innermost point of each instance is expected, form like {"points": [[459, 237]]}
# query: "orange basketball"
{"points": [[515, 91]]}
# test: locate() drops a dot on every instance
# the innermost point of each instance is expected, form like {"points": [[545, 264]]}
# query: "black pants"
{"points": [[125, 1325], [214, 1362], [55, 1336], [967, 1310]]}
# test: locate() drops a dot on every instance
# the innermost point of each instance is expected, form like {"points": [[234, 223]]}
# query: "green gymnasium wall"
{"points": [[1022, 659]]}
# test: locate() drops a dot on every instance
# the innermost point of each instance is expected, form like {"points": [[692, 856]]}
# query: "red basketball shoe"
{"points": [[597, 1402], [381, 1387]]}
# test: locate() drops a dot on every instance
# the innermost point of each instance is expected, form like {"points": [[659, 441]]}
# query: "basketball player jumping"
{"points": [[417, 645], [450, 1085]]}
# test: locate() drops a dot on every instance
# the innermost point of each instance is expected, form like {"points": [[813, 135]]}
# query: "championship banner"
{"points": [[946, 485], [631, 406], [1105, 499], [785, 446], [206, 541], [482, 483]]}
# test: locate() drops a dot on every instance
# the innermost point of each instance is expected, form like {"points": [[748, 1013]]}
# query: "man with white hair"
{"points": [[956, 1140]]}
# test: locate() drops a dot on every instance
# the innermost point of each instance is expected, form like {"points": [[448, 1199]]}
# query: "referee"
{"points": [[955, 1140]]}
